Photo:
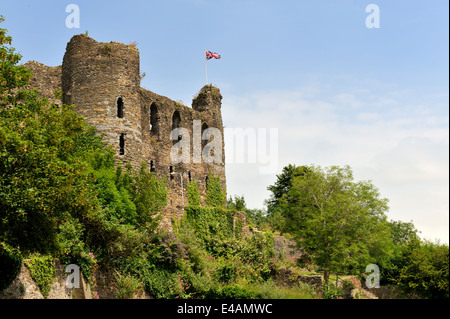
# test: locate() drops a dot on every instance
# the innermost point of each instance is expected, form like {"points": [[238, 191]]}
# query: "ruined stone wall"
{"points": [[157, 144], [104, 285], [47, 79], [24, 287], [97, 77]]}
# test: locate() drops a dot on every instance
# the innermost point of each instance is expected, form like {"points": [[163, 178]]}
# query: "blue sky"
{"points": [[338, 92]]}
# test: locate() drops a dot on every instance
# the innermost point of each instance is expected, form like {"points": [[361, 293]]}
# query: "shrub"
{"points": [[42, 271], [133, 44], [232, 292], [147, 192], [270, 290], [159, 283], [171, 251], [128, 286], [201, 283], [116, 199], [70, 238], [258, 248], [331, 291], [350, 284], [73, 249], [425, 270], [182, 286], [226, 273], [195, 254], [210, 223]]}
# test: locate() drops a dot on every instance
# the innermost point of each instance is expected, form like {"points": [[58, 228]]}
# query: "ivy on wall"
{"points": [[193, 194], [211, 222], [215, 195], [214, 225], [237, 228], [42, 271]]}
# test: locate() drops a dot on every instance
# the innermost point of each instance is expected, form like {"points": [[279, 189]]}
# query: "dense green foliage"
{"points": [[42, 271], [12, 76], [193, 194], [238, 203], [215, 254], [341, 223], [421, 268], [215, 195], [282, 186], [254, 217], [211, 223], [62, 195], [342, 227]]}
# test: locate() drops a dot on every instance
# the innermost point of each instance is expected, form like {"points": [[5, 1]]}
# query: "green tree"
{"points": [[403, 233], [254, 217], [276, 216], [148, 193], [340, 224], [425, 270], [55, 170], [282, 186], [42, 180], [113, 196], [12, 75], [238, 203], [277, 220]]}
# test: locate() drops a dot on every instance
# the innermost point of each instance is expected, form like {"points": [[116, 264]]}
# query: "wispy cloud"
{"points": [[394, 139]]}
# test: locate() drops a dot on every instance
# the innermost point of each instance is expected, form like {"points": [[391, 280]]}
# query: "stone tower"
{"points": [[102, 80]]}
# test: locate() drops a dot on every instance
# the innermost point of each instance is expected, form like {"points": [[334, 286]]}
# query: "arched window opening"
{"points": [[176, 122], [189, 175], [204, 142], [120, 108], [154, 121], [122, 144], [171, 171]]}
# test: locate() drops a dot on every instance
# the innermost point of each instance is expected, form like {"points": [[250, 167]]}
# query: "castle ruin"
{"points": [[102, 81]]}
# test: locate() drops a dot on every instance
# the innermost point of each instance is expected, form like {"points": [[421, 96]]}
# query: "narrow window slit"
{"points": [[152, 166], [120, 108], [122, 144]]}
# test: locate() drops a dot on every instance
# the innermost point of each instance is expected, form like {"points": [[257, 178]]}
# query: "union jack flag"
{"points": [[210, 55]]}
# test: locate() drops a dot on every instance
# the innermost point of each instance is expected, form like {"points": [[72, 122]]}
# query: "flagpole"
{"points": [[206, 70]]}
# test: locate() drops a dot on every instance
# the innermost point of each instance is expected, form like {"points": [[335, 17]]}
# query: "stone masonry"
{"points": [[102, 81]]}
